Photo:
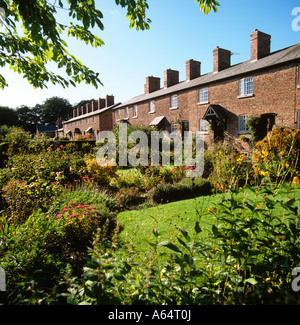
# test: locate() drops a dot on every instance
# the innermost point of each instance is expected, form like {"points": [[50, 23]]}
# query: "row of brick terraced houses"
{"points": [[219, 102]]}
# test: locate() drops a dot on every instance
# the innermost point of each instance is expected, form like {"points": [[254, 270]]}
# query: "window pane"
{"points": [[174, 101], [203, 95], [152, 107], [243, 123]]}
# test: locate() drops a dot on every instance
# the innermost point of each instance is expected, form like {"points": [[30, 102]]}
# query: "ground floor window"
{"points": [[185, 126], [243, 127], [298, 119], [203, 125]]}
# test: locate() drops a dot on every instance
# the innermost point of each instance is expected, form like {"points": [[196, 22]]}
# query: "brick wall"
{"points": [[274, 91]]}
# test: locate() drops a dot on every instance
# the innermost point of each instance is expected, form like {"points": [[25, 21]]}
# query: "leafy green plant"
{"points": [[187, 188]]}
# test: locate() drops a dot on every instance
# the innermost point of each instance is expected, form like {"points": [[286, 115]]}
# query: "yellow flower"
{"points": [[287, 165], [296, 180]]}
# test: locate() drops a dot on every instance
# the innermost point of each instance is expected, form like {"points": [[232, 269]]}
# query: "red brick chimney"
{"points": [[222, 59], [171, 78], [152, 84], [101, 103], [260, 45], [109, 101], [94, 105], [193, 69], [74, 112]]}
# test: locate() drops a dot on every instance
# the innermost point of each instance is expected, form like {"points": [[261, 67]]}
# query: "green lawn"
{"points": [[168, 218]]}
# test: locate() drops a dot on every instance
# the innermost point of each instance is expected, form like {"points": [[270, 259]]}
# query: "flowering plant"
{"points": [[79, 222]]}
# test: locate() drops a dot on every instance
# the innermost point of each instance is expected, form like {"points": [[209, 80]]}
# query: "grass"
{"points": [[167, 219]]}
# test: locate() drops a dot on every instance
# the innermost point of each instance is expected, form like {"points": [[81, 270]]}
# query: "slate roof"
{"points": [[97, 112], [46, 128], [283, 56]]}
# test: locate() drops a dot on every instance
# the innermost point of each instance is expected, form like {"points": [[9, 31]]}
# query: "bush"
{"points": [[126, 197], [276, 157], [186, 189], [79, 222], [231, 169], [101, 173]]}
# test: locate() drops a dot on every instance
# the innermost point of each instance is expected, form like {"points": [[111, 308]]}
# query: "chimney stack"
{"points": [[152, 84], [222, 59], [193, 69], [171, 78], [101, 103], [109, 101], [260, 45], [74, 112], [94, 105]]}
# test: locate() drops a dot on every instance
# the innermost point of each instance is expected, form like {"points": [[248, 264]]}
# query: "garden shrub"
{"points": [[186, 189], [276, 157], [103, 173], [23, 198], [127, 197], [79, 222], [231, 169], [34, 257]]}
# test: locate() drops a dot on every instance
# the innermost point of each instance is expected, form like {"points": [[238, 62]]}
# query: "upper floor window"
{"points": [[118, 115], [135, 111], [246, 86], [126, 113], [299, 75], [87, 121], [243, 127], [94, 119], [203, 96], [174, 102], [152, 107]]}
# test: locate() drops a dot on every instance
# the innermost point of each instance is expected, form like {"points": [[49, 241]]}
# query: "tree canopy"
{"points": [[32, 36]]}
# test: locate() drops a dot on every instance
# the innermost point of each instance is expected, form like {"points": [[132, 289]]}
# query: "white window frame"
{"points": [[126, 113], [94, 119], [246, 87], [81, 122], [135, 111], [118, 115], [203, 95], [152, 107], [87, 121], [174, 102], [242, 126]]}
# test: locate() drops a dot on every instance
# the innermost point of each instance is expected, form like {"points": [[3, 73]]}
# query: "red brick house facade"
{"points": [[91, 118], [266, 84]]}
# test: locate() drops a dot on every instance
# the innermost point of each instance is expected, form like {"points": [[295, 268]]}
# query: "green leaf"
{"points": [[251, 281], [172, 247], [197, 228]]}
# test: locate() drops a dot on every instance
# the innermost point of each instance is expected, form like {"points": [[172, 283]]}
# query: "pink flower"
{"points": [[73, 203], [74, 215], [58, 216]]}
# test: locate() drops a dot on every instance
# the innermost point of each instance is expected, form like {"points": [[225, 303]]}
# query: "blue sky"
{"points": [[179, 31]]}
